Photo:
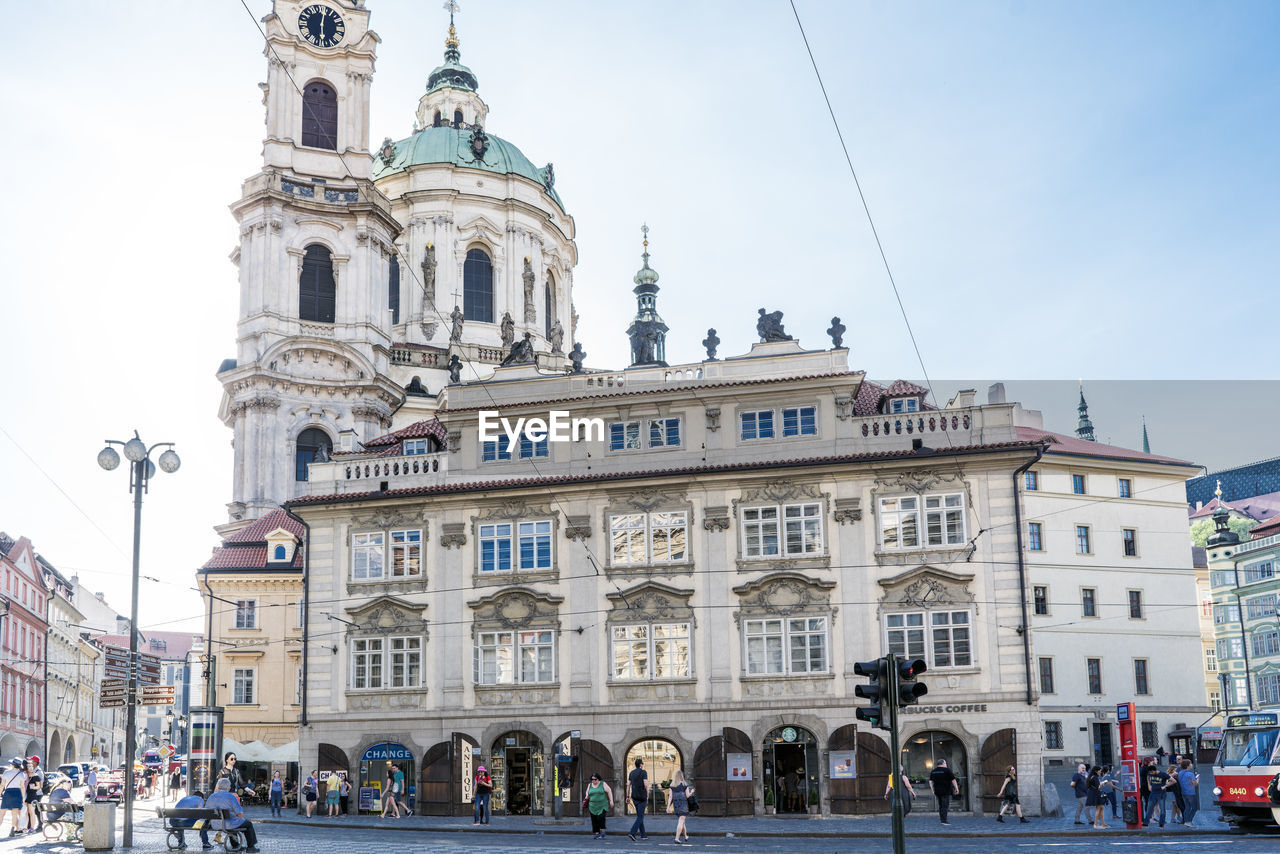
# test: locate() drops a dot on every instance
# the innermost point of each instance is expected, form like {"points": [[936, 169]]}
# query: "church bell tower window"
{"points": [[477, 287], [393, 290], [317, 294], [320, 115], [549, 303], [314, 446]]}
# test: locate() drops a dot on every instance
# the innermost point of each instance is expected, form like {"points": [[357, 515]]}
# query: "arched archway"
{"points": [[55, 750], [68, 751], [662, 759], [792, 768], [517, 763], [10, 746], [313, 445], [921, 753]]}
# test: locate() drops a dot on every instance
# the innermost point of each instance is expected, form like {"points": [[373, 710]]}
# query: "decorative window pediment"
{"points": [[926, 587], [391, 518], [919, 481], [778, 492], [513, 509], [649, 601], [387, 615], [783, 594], [646, 499], [517, 608]]}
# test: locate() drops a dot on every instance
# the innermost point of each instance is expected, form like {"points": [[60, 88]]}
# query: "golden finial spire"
{"points": [[451, 6], [1218, 492]]}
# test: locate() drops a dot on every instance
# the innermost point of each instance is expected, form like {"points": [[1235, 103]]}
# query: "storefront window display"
{"points": [[920, 756], [516, 763], [661, 760], [791, 769]]}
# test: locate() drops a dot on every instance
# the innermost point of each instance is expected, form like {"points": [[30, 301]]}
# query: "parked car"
{"points": [[72, 771]]}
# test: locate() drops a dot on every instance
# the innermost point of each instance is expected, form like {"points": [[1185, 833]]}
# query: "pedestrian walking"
{"points": [[275, 795], [1008, 796], [597, 801], [344, 795], [91, 780], [679, 805], [638, 795], [231, 772], [1157, 781], [399, 789], [484, 792], [389, 795], [1175, 789], [1080, 788], [35, 790], [944, 785], [1095, 798], [1189, 784], [309, 791], [13, 787], [331, 795], [908, 792], [1112, 788]]}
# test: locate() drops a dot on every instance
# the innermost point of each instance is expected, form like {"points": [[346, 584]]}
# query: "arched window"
{"points": [[393, 290], [314, 446], [317, 294], [477, 287], [435, 122], [320, 115], [549, 303], [279, 553], [457, 118]]}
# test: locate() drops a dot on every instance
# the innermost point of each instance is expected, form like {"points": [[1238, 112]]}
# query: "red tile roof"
{"points": [[901, 388], [1266, 528], [1074, 446], [257, 532], [871, 395], [757, 465]]}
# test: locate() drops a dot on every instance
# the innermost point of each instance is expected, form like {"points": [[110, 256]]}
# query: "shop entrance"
{"points": [[517, 768], [922, 753], [661, 762], [375, 763], [790, 756]]}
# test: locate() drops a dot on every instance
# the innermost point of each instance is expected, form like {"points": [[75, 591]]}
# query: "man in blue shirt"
{"points": [[1188, 780], [193, 801], [224, 799]]}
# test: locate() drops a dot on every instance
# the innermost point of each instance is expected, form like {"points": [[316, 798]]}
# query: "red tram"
{"points": [[1247, 770]]}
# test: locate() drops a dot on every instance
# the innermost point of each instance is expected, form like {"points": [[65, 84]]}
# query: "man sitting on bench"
{"points": [[193, 801], [225, 799]]}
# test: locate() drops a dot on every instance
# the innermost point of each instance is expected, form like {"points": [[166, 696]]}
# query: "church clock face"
{"points": [[321, 26]]}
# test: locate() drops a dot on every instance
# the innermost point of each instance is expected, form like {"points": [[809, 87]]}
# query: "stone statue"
{"points": [[429, 273], [573, 321], [508, 328], [769, 327], [836, 332], [455, 335], [521, 352], [577, 356], [530, 314], [557, 337], [644, 347], [455, 369], [711, 342]]}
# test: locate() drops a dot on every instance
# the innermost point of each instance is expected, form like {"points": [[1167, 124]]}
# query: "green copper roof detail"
{"points": [[456, 145], [1084, 427]]}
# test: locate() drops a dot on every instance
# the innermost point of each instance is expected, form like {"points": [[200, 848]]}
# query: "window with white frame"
{"points": [[515, 546], [367, 557], [904, 404], [799, 421], [941, 638], [1257, 572], [242, 686], [510, 657], [785, 645], [651, 651], [413, 447], [1210, 659], [910, 522], [1222, 578], [406, 553], [1226, 614], [801, 530], [1261, 606], [495, 450], [1268, 685], [531, 450], [1229, 648], [664, 433], [756, 424], [1265, 642], [366, 662], [624, 436], [1215, 701], [644, 538], [405, 661], [246, 613]]}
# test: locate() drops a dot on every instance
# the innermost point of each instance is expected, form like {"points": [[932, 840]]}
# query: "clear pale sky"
{"points": [[1063, 190]]}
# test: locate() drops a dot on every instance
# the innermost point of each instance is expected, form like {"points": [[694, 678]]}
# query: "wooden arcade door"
{"points": [[999, 751], [872, 767]]}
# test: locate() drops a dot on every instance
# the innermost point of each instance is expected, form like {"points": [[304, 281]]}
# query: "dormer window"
{"points": [[904, 404], [413, 447], [280, 546], [279, 554]]}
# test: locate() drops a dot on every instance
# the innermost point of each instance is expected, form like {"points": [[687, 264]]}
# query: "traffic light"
{"points": [[909, 690], [875, 712]]}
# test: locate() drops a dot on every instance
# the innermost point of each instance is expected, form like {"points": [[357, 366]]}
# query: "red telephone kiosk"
{"points": [[1126, 719]]}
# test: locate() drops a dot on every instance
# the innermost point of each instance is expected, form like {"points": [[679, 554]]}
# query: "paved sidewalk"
{"points": [[811, 826]]}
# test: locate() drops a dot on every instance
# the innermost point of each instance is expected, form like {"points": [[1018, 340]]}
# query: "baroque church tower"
{"points": [[364, 274]]}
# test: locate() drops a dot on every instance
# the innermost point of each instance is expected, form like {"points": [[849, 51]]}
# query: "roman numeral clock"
{"points": [[321, 26]]}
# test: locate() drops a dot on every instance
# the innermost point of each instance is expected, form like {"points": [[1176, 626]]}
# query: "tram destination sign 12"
{"points": [[1254, 719]]}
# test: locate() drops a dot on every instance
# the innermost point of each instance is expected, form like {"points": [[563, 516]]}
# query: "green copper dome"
{"points": [[456, 145]]}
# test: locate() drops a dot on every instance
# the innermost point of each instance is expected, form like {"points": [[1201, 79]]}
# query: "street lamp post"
{"points": [[141, 468]]}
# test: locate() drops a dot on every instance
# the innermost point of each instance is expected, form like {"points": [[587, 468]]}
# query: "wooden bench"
{"points": [[201, 818]]}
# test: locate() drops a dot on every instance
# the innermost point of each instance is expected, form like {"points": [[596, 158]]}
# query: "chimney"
{"points": [[995, 393]]}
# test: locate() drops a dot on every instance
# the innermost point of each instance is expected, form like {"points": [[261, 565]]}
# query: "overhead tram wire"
{"points": [[360, 188]]}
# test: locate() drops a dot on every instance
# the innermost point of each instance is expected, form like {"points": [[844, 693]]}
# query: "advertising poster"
{"points": [[737, 766], [205, 742], [842, 767]]}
